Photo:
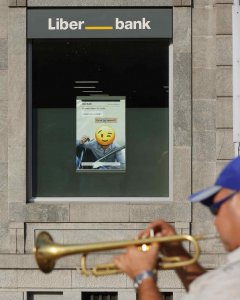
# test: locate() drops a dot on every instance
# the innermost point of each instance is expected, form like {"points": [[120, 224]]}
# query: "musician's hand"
{"points": [[134, 262], [162, 228], [84, 139]]}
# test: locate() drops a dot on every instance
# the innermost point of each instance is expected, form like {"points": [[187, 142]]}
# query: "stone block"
{"points": [[203, 55], [182, 100], [224, 144], [208, 261], [8, 279], [182, 225], [204, 146], [36, 279], [102, 3], [178, 294], [181, 173], [17, 104], [26, 261], [171, 212], [20, 212], [11, 296], [12, 235], [17, 77], [203, 174], [224, 116], [223, 1], [127, 294], [22, 3], [204, 3], [224, 19], [19, 225], [204, 21], [3, 116], [4, 238], [79, 281], [205, 227], [99, 212], [182, 30], [20, 240], [8, 261], [72, 295], [3, 54], [204, 83], [4, 207], [3, 176], [186, 2], [168, 280], [204, 115], [221, 164], [3, 19], [17, 195], [3, 146], [3, 131], [94, 236], [224, 81], [3, 85], [17, 168], [12, 3], [200, 214], [224, 50], [177, 2]]}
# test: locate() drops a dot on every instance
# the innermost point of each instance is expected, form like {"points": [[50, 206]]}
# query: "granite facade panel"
{"points": [[204, 83], [224, 112], [225, 147], [204, 49], [63, 3], [204, 115], [223, 19], [3, 53], [206, 27], [182, 173], [204, 174], [224, 50]]}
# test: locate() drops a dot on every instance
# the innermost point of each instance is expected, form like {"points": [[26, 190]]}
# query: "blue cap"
{"points": [[229, 178]]}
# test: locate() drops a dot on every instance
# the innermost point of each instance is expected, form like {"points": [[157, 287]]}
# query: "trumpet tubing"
{"points": [[47, 252]]}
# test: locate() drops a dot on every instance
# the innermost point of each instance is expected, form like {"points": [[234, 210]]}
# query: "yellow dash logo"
{"points": [[99, 27]]}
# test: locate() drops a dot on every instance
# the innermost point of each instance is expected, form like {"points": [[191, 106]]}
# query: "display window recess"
{"points": [[139, 69]]}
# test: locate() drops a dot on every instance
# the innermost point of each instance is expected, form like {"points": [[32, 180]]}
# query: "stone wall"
{"points": [[201, 145]]}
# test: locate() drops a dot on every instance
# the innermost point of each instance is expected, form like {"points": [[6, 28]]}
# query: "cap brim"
{"points": [[205, 196]]}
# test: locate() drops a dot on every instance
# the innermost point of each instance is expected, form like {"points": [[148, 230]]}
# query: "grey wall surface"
{"points": [[202, 144]]}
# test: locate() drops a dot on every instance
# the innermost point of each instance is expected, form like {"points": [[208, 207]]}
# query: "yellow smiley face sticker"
{"points": [[105, 135]]}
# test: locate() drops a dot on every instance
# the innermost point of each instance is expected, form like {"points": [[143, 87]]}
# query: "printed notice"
{"points": [[100, 135]]}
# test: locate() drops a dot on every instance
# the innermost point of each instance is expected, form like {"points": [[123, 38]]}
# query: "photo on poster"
{"points": [[100, 134]]}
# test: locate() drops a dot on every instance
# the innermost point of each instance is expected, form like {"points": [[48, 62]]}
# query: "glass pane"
{"points": [[136, 69]]}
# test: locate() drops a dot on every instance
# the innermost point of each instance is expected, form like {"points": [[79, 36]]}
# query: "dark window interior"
{"points": [[134, 68]]}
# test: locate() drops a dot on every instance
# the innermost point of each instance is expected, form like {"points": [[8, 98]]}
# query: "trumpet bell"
{"points": [[43, 252]]}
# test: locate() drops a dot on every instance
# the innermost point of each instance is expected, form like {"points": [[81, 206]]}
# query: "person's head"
{"points": [[223, 200], [105, 135]]}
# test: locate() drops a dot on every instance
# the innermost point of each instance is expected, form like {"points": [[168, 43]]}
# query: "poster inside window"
{"points": [[100, 135]]}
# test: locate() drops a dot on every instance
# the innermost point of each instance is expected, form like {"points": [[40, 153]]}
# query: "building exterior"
{"points": [[200, 143]]}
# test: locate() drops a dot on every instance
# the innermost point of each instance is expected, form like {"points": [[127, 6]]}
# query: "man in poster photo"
{"points": [[104, 152]]}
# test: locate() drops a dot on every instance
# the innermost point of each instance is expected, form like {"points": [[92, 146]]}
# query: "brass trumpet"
{"points": [[47, 252]]}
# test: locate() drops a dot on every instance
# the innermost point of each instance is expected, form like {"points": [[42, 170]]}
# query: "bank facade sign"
{"points": [[99, 23]]}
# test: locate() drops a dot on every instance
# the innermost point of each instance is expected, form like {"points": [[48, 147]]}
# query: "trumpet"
{"points": [[47, 252]]}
